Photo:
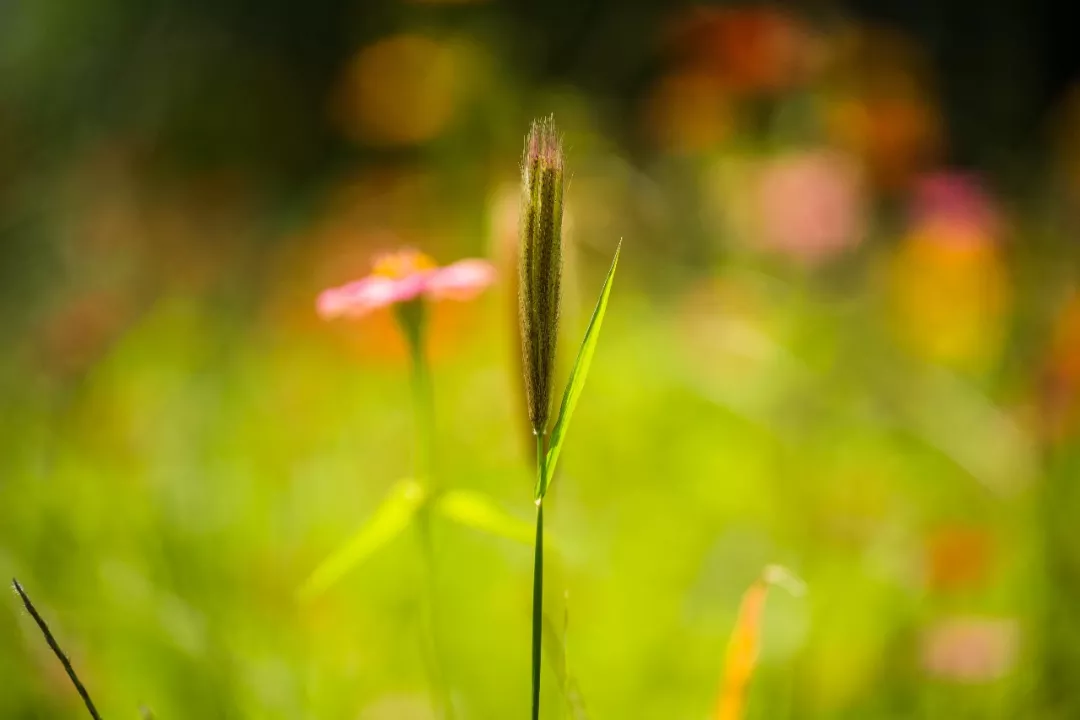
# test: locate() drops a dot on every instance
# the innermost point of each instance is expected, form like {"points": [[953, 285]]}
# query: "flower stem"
{"points": [[411, 317], [56, 649], [538, 581], [441, 692], [413, 324]]}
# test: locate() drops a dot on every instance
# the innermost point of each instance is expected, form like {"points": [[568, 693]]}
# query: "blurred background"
{"points": [[844, 337]]}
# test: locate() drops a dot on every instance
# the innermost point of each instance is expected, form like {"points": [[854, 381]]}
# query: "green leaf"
{"points": [[480, 512], [576, 382], [389, 520]]}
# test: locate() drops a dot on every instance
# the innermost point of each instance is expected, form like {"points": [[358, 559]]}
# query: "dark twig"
{"points": [[56, 649]]}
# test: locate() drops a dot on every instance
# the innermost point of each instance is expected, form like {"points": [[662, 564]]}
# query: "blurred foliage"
{"points": [[844, 339]]}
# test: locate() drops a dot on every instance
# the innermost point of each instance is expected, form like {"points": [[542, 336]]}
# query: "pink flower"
{"points": [[405, 275], [810, 205], [956, 206], [971, 649]]}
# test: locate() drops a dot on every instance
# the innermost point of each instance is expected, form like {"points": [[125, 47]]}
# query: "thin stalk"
{"points": [[411, 317], [424, 407], [444, 705], [538, 581], [56, 649]]}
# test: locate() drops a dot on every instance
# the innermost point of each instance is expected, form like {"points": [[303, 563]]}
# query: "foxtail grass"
{"points": [[539, 296]]}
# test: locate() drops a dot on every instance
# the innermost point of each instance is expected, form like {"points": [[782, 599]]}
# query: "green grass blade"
{"points": [[480, 512], [389, 520], [55, 647], [576, 382]]}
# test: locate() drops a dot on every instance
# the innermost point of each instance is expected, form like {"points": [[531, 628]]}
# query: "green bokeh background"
{"points": [[182, 441]]}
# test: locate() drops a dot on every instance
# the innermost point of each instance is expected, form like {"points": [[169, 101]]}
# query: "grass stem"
{"points": [[56, 649], [538, 583]]}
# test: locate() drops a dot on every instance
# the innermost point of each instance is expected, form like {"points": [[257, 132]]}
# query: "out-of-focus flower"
{"points": [[881, 110], [949, 285], [689, 112], [956, 207], [358, 217], [742, 653], [957, 557], [716, 56], [401, 90], [749, 49], [1060, 389], [743, 647], [895, 137], [762, 49], [810, 205], [405, 275], [76, 334], [971, 649]]}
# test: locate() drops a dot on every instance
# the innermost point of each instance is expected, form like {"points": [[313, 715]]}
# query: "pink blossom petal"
{"points": [[971, 649], [810, 204], [370, 293], [462, 280], [958, 201]]}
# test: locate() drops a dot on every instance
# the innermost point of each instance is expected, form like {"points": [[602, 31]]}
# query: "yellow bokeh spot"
{"points": [[401, 90], [688, 113], [950, 295]]}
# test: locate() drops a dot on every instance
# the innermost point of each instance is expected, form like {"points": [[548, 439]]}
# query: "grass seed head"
{"points": [[540, 264]]}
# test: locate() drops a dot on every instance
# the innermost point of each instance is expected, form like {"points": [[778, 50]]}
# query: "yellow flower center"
{"points": [[403, 263]]}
